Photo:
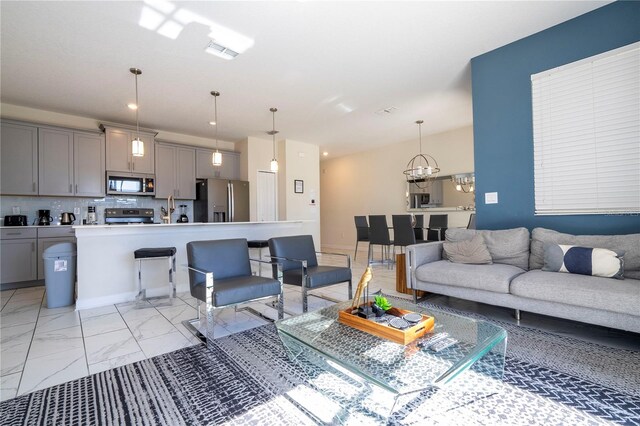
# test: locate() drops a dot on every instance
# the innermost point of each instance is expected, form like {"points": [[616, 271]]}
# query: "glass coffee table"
{"points": [[399, 369]]}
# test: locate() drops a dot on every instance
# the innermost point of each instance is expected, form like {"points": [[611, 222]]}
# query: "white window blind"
{"points": [[586, 135]]}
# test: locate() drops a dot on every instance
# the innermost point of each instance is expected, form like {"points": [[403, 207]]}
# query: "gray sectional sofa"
{"points": [[515, 278]]}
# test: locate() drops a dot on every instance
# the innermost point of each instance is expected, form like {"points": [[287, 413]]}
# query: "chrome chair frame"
{"points": [[210, 307], [305, 283]]}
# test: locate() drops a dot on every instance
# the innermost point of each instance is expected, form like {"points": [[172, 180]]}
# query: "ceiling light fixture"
{"points": [[132, 106], [137, 146], [325, 153], [273, 132], [421, 169], [216, 158], [464, 183]]}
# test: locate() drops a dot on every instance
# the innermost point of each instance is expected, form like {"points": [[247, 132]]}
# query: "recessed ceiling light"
{"points": [[213, 123], [220, 51], [325, 153], [132, 106]]}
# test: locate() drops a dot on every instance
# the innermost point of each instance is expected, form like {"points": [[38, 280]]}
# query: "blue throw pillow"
{"points": [[583, 260]]}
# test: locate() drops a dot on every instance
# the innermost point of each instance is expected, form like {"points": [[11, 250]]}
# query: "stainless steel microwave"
{"points": [[130, 184]]}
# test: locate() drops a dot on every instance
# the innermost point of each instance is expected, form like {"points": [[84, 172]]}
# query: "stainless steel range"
{"points": [[128, 216]]}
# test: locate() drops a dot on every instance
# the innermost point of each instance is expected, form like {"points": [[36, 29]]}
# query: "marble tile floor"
{"points": [[41, 347]]}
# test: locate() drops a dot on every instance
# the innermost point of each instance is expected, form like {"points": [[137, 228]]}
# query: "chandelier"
{"points": [[423, 168], [464, 184]]}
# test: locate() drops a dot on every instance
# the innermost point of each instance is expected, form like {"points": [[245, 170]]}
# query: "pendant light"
{"points": [[216, 158], [422, 169], [273, 132], [137, 146]]}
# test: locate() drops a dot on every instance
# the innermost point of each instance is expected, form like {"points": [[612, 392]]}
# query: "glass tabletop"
{"points": [[398, 368]]}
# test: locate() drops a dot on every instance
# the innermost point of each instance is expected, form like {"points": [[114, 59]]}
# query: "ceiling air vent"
{"points": [[388, 110], [221, 51]]}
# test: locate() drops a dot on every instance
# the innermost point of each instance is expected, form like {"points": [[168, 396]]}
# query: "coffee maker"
{"points": [[44, 217]]}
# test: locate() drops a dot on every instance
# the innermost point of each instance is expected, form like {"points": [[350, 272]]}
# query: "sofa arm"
{"points": [[419, 254]]}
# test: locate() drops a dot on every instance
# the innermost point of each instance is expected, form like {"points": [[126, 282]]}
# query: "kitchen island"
{"points": [[106, 269]]}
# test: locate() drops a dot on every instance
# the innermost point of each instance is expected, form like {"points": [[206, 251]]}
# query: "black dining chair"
{"points": [[220, 276], [379, 235], [296, 256], [472, 221], [418, 228], [403, 231], [438, 224], [362, 232]]}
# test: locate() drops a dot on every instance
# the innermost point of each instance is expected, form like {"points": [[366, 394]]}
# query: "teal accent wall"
{"points": [[502, 123]]}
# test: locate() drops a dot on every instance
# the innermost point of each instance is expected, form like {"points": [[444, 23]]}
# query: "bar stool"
{"points": [[259, 244], [155, 253]]}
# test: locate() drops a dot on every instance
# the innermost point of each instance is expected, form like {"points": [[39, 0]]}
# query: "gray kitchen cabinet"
{"points": [[55, 162], [18, 261], [436, 193], [70, 163], [50, 235], [18, 159], [118, 149], [230, 168], [89, 164], [175, 172], [186, 173]]}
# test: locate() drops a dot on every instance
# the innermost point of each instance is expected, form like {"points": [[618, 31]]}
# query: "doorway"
{"points": [[267, 189]]}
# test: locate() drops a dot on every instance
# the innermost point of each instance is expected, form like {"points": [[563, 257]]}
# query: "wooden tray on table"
{"points": [[385, 331]]}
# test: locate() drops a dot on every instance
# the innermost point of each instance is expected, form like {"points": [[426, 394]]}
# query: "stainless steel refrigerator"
{"points": [[221, 200]]}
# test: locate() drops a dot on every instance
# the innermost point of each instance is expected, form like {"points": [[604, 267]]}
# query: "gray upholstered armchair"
{"points": [[297, 258], [220, 275]]}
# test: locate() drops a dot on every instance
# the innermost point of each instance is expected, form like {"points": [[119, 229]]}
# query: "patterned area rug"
{"points": [[249, 379]]}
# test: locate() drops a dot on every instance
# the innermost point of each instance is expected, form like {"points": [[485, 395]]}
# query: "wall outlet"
{"points": [[76, 211], [491, 198]]}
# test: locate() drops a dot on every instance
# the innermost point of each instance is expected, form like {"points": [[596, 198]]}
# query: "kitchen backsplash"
{"points": [[30, 205]]}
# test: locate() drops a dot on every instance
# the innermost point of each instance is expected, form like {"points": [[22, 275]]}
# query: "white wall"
{"points": [[372, 182], [41, 116], [301, 162]]}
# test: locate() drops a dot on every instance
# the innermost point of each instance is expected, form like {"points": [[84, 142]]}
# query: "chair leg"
{"points": [[281, 305], [355, 255], [517, 314], [369, 254], [350, 290], [305, 305]]}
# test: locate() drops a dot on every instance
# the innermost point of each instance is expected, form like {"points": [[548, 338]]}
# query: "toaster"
{"points": [[15, 220]]}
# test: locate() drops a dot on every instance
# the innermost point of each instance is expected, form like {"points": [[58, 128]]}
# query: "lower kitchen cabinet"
{"points": [[18, 260], [22, 249]]}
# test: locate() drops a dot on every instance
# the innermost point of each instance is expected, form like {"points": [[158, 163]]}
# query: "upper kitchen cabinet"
{"points": [[230, 168], [89, 164], [18, 159], [175, 172], [70, 163], [119, 158], [55, 162]]}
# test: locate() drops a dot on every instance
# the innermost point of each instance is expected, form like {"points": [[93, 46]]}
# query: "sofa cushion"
{"points": [[629, 244], [590, 292], [473, 251], [598, 262], [507, 246], [494, 277]]}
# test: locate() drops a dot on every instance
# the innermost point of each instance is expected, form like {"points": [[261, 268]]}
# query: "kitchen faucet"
{"points": [[166, 213]]}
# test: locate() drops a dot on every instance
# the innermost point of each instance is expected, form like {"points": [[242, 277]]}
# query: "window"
{"points": [[586, 135]]}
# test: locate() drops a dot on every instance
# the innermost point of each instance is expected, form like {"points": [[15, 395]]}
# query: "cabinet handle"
{"points": [[76, 188], [70, 188], [134, 165], [178, 191], [34, 187], [14, 233], [129, 165]]}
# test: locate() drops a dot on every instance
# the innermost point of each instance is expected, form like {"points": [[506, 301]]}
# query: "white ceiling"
{"points": [[327, 66]]}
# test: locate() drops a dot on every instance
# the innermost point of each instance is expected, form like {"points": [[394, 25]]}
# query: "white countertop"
{"points": [[189, 224]]}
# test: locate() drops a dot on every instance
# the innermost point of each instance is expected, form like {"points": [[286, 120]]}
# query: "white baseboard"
{"points": [[97, 302]]}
